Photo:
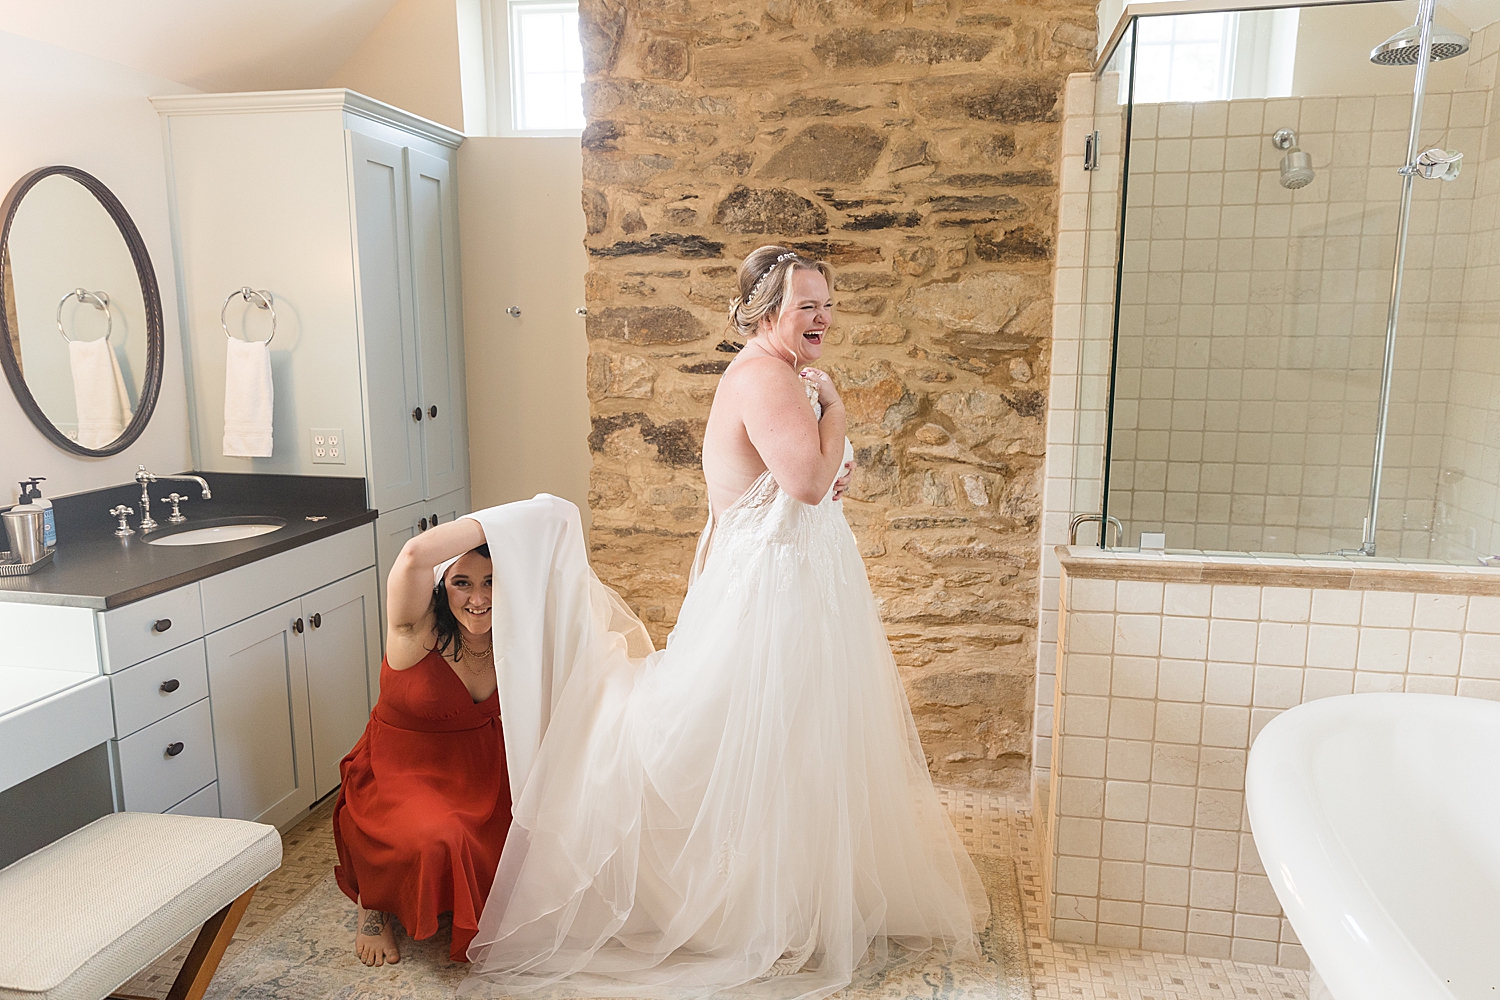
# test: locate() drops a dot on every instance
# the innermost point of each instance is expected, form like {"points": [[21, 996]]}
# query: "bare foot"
{"points": [[375, 940]]}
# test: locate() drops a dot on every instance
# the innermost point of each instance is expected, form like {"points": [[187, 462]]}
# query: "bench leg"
{"points": [[203, 959], [208, 949]]}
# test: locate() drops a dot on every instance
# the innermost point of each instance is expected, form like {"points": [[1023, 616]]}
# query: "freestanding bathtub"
{"points": [[1377, 817]]}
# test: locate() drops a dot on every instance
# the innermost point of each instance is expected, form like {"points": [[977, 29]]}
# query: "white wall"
{"points": [[57, 107], [522, 232], [411, 60]]}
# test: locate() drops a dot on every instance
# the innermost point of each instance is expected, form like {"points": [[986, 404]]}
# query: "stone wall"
{"points": [[913, 144]]}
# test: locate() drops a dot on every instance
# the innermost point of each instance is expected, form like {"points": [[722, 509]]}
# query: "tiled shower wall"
{"points": [[1467, 504], [1441, 489], [1253, 320], [1164, 686], [1078, 393]]}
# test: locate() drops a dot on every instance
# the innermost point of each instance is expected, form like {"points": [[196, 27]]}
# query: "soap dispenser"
{"points": [[31, 492]]}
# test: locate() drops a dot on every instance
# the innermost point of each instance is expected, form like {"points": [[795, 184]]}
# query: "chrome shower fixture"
{"points": [[1436, 164], [1405, 46], [1296, 166]]}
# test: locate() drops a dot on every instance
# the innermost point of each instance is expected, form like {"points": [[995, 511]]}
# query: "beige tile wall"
{"points": [[1468, 497], [1252, 323], [1161, 689]]}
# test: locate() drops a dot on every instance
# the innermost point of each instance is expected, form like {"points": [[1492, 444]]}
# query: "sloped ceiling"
{"points": [[210, 45]]}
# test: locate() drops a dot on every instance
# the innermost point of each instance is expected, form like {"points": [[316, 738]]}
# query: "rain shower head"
{"points": [[1404, 48]]}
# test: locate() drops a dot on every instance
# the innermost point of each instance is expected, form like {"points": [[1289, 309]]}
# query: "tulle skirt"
{"points": [[745, 813]]}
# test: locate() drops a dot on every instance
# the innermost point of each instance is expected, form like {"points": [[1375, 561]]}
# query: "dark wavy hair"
{"points": [[444, 623]]}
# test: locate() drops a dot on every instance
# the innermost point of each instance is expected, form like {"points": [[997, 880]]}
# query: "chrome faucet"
{"points": [[145, 478]]}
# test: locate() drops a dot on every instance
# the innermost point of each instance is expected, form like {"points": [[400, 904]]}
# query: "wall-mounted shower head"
{"points": [[1296, 166], [1404, 48]]}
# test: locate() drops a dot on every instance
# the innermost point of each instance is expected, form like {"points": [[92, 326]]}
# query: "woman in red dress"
{"points": [[425, 802]]}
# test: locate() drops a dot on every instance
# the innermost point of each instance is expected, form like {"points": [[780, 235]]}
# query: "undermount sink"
{"points": [[210, 534]]}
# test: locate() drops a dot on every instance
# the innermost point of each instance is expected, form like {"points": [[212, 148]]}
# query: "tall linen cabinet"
{"points": [[344, 209]]}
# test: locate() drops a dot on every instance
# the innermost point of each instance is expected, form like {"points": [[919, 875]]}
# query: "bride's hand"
{"points": [[841, 484], [827, 394]]}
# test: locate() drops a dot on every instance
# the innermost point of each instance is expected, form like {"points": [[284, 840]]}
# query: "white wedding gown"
{"points": [[745, 813]]}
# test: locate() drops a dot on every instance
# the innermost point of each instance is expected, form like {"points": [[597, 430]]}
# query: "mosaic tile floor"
{"points": [[989, 823]]}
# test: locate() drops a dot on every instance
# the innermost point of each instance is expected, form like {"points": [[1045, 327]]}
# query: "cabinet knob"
{"points": [[432, 412], [316, 620], [434, 520], [161, 625], [416, 414], [173, 749], [422, 524], [167, 687], [297, 626]]}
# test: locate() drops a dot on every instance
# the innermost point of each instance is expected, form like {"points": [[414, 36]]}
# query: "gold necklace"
{"points": [[464, 645]]}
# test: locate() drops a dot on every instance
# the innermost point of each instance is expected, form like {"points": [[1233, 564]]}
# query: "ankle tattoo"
{"points": [[374, 922]]}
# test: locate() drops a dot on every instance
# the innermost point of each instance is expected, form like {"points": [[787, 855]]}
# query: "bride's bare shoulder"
{"points": [[757, 374]]}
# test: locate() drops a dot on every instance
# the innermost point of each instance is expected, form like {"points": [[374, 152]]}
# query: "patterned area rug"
{"points": [[308, 953]]}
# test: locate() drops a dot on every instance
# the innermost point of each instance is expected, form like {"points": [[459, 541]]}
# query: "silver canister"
{"points": [[25, 526]]}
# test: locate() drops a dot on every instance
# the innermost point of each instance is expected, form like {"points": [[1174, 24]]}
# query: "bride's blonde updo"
{"points": [[765, 281]]}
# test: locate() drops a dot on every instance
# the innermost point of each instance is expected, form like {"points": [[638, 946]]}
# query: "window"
{"points": [[1215, 56], [534, 67]]}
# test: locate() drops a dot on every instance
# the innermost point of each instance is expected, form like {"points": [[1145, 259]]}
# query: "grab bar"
{"points": [[1078, 520]]}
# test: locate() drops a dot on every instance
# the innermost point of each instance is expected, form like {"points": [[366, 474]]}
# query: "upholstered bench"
{"points": [[81, 916]]}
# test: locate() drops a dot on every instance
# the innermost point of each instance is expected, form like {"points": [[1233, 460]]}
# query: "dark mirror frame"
{"points": [[150, 294]]}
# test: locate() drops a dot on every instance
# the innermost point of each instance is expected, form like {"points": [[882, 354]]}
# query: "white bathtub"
{"points": [[1377, 817]]}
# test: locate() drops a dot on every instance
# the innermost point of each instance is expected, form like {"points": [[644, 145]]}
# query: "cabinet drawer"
{"points": [[152, 778], [141, 630], [162, 685], [204, 802], [249, 590]]}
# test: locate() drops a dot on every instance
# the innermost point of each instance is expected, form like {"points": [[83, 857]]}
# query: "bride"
{"points": [[747, 812]]}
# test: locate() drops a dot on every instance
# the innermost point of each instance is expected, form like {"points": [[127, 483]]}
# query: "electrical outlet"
{"points": [[328, 446]]}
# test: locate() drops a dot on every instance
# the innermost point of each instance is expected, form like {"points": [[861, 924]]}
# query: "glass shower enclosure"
{"points": [[1291, 319]]}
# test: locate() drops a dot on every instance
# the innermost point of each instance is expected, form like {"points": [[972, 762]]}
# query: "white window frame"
{"points": [[502, 75]]}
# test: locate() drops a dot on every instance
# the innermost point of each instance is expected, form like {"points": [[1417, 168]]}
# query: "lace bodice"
{"points": [[764, 514]]}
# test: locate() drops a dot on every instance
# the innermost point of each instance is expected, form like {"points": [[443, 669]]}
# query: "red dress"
{"points": [[425, 803]]}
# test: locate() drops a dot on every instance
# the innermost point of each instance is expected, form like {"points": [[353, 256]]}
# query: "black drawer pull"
{"points": [[316, 620], [168, 686], [417, 414], [434, 520], [297, 626], [161, 625], [432, 412], [173, 749], [422, 524]]}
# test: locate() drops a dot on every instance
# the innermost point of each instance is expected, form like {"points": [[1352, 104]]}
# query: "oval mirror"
{"points": [[80, 327]]}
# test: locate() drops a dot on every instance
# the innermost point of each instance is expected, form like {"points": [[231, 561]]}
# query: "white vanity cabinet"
{"points": [[345, 209], [267, 680]]}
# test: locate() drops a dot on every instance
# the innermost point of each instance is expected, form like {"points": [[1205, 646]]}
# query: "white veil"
{"points": [[550, 610]]}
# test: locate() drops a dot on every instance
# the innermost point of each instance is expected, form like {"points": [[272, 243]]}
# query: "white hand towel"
{"points": [[99, 389], [248, 399]]}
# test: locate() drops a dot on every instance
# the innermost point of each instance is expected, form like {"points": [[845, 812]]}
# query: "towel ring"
{"points": [[101, 301], [247, 293]]}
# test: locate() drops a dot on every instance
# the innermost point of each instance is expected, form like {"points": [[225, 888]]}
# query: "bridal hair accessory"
{"points": [[767, 273]]}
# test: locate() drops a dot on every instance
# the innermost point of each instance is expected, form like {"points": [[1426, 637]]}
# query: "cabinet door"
{"points": [[439, 312], [387, 322], [343, 670], [257, 682]]}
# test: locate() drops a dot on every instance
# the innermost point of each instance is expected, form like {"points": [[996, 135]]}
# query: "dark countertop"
{"points": [[91, 568]]}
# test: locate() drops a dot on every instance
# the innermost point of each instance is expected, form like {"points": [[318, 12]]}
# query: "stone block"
{"points": [[645, 325], [769, 210], [827, 152]]}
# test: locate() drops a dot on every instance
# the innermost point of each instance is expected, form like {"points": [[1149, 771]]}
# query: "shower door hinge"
{"points": [[1091, 151]]}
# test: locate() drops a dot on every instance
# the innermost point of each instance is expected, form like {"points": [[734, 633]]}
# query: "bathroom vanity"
{"points": [[222, 679]]}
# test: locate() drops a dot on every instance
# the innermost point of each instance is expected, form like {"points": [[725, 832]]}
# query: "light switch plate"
{"points": [[328, 446]]}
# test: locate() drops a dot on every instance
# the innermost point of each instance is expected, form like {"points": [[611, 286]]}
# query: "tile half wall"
{"points": [[1161, 688]]}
